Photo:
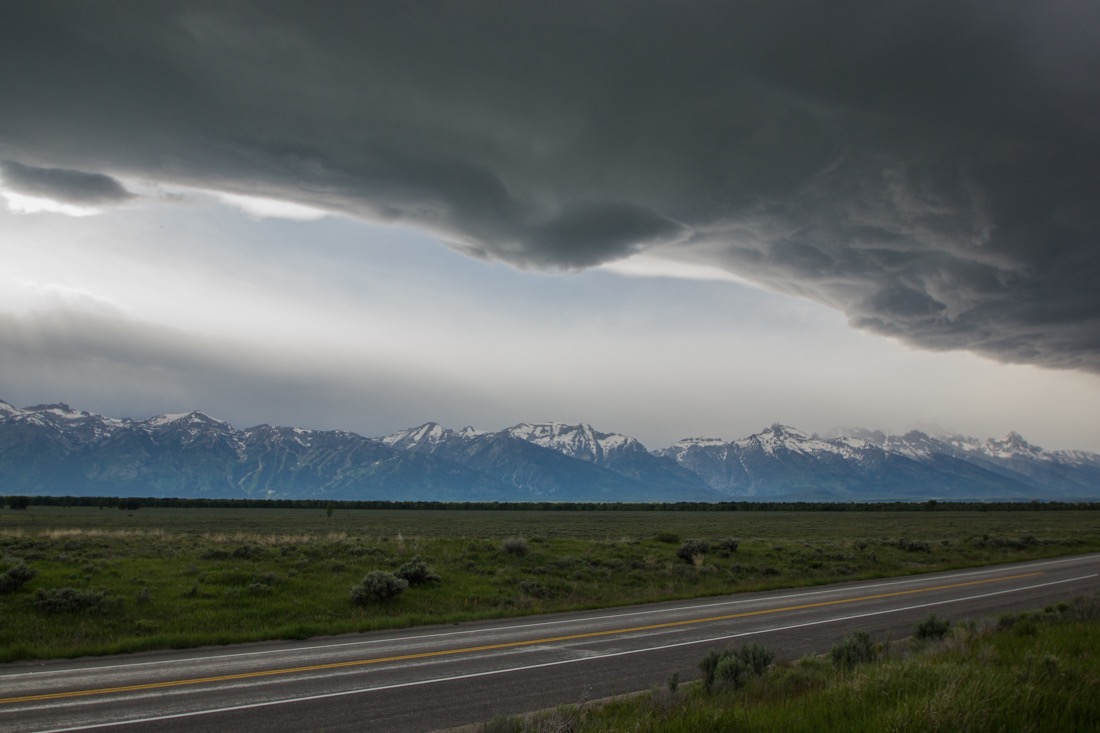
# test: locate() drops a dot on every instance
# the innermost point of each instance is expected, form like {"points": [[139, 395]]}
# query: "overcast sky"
{"points": [[664, 219]]}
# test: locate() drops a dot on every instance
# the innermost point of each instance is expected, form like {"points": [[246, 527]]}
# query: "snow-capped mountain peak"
{"points": [[577, 441], [59, 411], [193, 419], [166, 419], [428, 434], [678, 451], [80, 427], [779, 438], [431, 432], [699, 440], [1013, 445], [193, 452], [57, 408]]}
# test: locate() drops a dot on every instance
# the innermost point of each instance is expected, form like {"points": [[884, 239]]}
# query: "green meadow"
{"points": [[84, 580]]}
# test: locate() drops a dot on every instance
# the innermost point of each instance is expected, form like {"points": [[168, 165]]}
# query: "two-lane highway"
{"points": [[437, 677]]}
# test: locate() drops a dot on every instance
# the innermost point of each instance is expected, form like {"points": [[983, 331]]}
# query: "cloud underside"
{"points": [[927, 168], [63, 185]]}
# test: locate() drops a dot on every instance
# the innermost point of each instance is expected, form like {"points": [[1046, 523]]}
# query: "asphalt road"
{"points": [[444, 676]]}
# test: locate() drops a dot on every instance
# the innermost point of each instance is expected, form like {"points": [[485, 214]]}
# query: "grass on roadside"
{"points": [[1028, 672]]}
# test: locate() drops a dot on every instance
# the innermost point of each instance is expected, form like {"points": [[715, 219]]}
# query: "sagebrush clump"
{"points": [[856, 649], [378, 587], [733, 667], [71, 600], [515, 546], [728, 546], [15, 575], [932, 627], [692, 549], [416, 572]]}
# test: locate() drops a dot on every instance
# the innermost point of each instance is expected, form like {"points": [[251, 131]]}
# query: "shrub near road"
{"points": [[99, 581], [1029, 672]]}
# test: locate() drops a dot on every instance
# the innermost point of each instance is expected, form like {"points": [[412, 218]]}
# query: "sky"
{"points": [[662, 219]]}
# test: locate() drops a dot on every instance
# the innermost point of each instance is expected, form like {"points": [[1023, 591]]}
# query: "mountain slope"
{"points": [[784, 463], [539, 472], [54, 449], [618, 453]]}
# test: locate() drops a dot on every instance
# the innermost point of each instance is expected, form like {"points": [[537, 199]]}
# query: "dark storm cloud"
{"points": [[59, 184], [929, 168]]}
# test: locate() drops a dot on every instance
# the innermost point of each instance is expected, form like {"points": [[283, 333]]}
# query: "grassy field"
{"points": [[106, 580], [1030, 672]]}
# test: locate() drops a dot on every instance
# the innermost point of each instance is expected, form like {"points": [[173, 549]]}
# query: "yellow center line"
{"points": [[501, 645]]}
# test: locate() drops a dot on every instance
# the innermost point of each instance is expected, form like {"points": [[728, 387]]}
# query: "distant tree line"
{"points": [[134, 503]]}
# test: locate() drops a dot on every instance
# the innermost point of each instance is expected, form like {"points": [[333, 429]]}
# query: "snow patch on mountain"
{"points": [[698, 442], [166, 419], [577, 441], [422, 436], [778, 462]]}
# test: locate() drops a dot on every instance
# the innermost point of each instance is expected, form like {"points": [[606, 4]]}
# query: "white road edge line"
{"points": [[732, 602], [609, 655]]}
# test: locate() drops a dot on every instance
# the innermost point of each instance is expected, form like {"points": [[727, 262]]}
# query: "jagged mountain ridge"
{"points": [[548, 469], [867, 463], [616, 452], [1077, 472], [55, 449]]}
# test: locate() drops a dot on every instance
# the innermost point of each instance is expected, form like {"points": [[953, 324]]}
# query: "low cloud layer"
{"points": [[60, 184], [127, 367], [928, 168]]}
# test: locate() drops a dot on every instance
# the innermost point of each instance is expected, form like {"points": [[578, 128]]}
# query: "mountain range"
{"points": [[56, 450]]}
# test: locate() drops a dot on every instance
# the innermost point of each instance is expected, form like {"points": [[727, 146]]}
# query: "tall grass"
{"points": [[1038, 672]]}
